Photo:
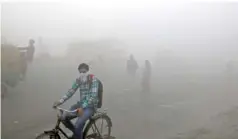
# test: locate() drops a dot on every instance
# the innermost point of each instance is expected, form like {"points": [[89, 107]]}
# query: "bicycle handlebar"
{"points": [[73, 111], [62, 109]]}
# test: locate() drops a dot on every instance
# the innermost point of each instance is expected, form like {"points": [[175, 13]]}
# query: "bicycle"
{"points": [[91, 123]]}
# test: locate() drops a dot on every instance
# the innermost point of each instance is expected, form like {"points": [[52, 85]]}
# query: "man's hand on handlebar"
{"points": [[80, 111], [57, 103]]}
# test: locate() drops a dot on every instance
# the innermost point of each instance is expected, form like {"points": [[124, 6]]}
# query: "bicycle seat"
{"points": [[97, 113], [104, 110]]}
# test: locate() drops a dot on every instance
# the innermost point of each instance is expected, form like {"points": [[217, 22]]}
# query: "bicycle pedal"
{"points": [[111, 137], [93, 135]]}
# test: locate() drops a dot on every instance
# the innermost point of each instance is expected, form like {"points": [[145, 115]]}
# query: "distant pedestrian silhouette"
{"points": [[146, 77], [132, 67]]}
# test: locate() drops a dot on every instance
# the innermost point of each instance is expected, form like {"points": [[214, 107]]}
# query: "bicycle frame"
{"points": [[91, 120], [97, 131], [57, 128]]}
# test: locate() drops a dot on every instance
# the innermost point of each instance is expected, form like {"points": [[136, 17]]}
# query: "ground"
{"points": [[176, 108]]}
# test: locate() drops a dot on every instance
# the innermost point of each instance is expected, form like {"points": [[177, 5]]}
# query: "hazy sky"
{"points": [[181, 26]]}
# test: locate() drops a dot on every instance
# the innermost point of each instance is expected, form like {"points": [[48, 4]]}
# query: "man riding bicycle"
{"points": [[86, 107]]}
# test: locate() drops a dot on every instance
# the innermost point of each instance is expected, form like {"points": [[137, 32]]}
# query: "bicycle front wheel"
{"points": [[98, 128], [49, 135]]}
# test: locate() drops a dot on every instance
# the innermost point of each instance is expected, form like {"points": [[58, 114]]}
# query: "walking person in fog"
{"points": [[30, 50], [26, 57], [146, 77], [132, 67]]}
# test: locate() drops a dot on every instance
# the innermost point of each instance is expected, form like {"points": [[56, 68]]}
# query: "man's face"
{"points": [[83, 75], [83, 70]]}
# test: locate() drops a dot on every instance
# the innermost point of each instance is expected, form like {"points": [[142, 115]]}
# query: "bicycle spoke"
{"points": [[94, 130], [102, 126], [95, 133]]}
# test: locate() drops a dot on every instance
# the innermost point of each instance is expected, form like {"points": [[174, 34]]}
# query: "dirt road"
{"points": [[175, 108]]}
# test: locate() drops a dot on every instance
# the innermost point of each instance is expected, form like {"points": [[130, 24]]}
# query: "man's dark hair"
{"points": [[83, 66]]}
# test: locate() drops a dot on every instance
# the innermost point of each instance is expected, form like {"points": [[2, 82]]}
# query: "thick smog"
{"points": [[163, 70]]}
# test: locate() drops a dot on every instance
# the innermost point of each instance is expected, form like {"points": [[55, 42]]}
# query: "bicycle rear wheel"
{"points": [[94, 129], [48, 135]]}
